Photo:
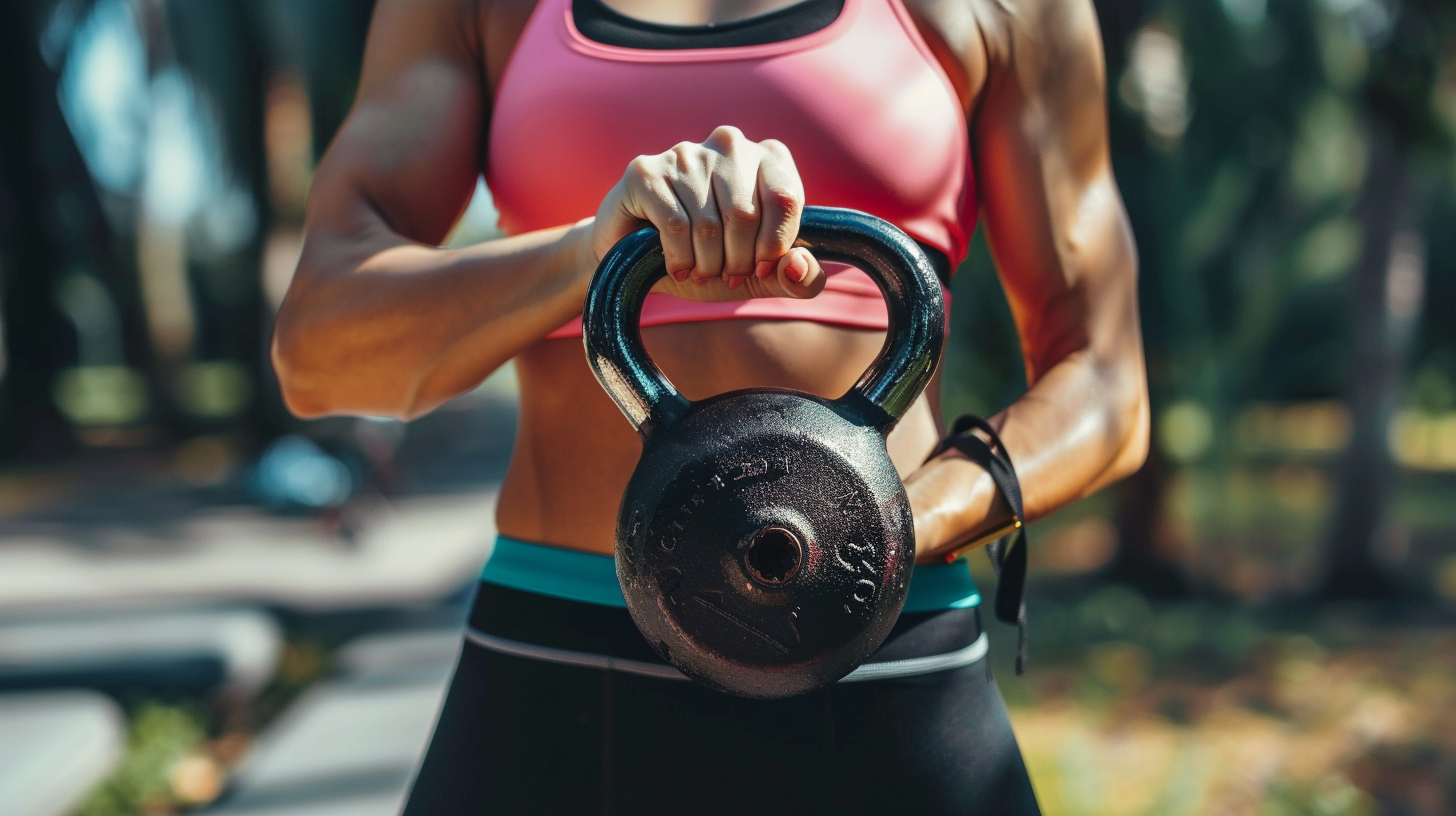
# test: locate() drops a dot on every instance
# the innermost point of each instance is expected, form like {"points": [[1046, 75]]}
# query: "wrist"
{"points": [[956, 506], [578, 257]]}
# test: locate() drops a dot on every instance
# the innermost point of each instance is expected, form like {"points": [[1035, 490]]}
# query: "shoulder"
{"points": [[408, 32], [980, 40], [483, 30]]}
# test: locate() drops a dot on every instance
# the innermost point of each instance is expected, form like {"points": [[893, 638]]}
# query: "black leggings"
{"points": [[529, 736]]}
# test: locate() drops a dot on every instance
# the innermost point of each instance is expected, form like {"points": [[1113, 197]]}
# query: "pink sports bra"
{"points": [[863, 105]]}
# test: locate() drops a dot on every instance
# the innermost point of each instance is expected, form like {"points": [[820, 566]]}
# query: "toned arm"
{"points": [[1061, 242], [379, 320]]}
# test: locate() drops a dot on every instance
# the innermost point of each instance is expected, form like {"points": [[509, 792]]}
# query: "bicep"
{"points": [[1053, 215], [409, 151]]}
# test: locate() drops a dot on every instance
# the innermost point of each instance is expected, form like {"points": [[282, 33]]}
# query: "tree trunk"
{"points": [[1141, 560], [57, 227], [1382, 318], [220, 45], [33, 329]]}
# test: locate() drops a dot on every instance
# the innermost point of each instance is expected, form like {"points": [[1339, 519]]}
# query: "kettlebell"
{"points": [[764, 543]]}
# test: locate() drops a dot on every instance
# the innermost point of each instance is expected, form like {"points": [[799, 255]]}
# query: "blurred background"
{"points": [[207, 605]]}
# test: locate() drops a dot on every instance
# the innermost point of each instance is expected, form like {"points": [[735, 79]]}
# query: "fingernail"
{"points": [[735, 282], [763, 269], [701, 281], [796, 269], [680, 276]]}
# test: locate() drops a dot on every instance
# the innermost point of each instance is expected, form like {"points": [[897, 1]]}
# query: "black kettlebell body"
{"points": [[765, 543]]}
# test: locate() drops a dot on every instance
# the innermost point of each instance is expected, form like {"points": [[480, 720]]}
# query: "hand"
{"points": [[728, 213]]}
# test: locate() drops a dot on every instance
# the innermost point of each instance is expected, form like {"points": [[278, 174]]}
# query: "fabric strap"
{"points": [[1008, 559]]}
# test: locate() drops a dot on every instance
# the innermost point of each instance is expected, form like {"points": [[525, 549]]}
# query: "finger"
{"points": [[735, 188], [781, 203], [799, 274], [651, 198], [694, 188], [738, 204]]}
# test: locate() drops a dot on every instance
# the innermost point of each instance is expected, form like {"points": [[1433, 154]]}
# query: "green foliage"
{"points": [[161, 735], [1244, 204], [1330, 796], [1245, 222], [983, 370]]}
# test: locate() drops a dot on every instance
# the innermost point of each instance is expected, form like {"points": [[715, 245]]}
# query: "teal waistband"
{"points": [[592, 578]]}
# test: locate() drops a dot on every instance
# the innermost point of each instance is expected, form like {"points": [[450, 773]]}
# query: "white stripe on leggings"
{"points": [[909, 667]]}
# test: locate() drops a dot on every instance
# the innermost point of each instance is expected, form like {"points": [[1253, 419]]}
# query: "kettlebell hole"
{"points": [[773, 556]]}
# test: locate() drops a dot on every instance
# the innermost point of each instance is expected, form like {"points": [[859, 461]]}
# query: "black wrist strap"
{"points": [[1007, 554]]}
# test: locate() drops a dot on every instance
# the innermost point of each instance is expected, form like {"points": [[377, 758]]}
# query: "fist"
{"points": [[728, 213]]}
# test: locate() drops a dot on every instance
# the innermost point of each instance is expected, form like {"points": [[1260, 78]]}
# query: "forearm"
{"points": [[375, 324], [1082, 426]]}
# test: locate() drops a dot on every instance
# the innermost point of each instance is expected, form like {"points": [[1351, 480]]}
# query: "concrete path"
{"points": [[410, 550], [350, 745]]}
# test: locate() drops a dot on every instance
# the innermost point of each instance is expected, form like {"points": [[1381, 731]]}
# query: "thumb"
{"points": [[799, 274]]}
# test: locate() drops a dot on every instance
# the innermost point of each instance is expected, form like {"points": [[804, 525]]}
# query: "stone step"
{"points": [[394, 653], [231, 651], [54, 747]]}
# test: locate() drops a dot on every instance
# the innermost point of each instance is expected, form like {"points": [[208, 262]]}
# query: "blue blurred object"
{"points": [[296, 473]]}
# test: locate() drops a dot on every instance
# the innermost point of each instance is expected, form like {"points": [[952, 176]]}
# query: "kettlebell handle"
{"points": [[612, 334]]}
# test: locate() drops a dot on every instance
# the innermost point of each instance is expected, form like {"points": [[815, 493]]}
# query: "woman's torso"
{"points": [[574, 451]]}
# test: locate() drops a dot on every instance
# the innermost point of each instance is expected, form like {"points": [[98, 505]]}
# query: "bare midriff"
{"points": [[575, 451]]}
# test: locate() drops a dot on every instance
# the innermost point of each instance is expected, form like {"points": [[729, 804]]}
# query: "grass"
{"points": [[180, 752], [1189, 708]]}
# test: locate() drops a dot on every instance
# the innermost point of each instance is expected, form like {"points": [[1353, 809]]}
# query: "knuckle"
{"points": [[740, 215], [642, 167], [727, 133], [775, 148], [675, 226], [787, 200], [707, 229]]}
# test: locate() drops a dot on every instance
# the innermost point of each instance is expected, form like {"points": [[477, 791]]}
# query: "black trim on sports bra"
{"points": [[939, 261], [597, 21]]}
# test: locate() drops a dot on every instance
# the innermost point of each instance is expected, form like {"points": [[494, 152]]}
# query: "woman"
{"points": [[588, 118]]}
